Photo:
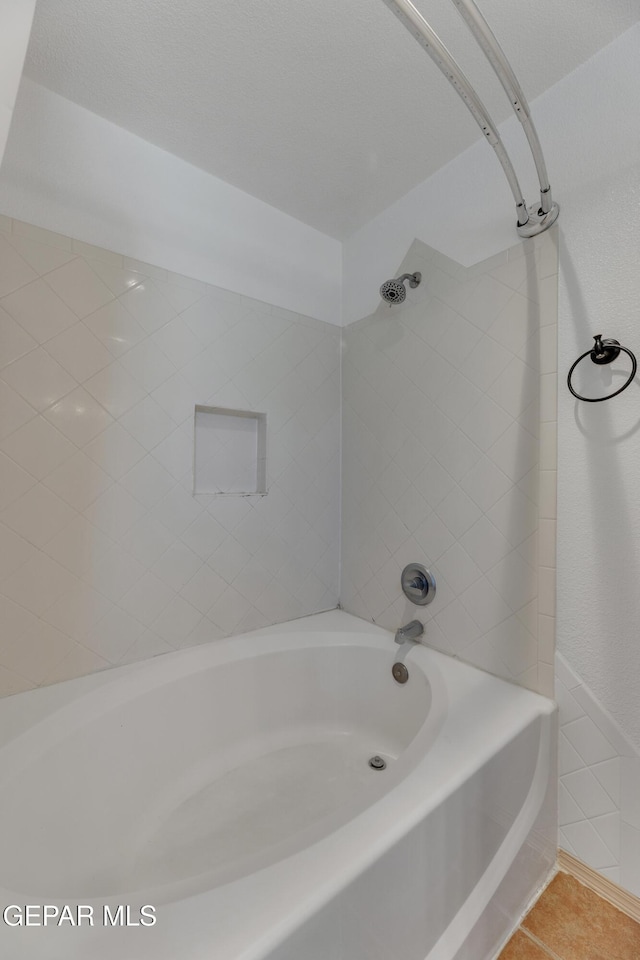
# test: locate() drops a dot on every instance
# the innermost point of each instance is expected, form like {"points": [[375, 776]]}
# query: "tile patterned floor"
{"points": [[571, 922]]}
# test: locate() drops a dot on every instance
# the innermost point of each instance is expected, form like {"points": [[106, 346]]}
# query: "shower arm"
{"points": [[529, 223], [504, 72]]}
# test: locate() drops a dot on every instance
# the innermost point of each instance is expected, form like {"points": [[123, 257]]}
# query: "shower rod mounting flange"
{"points": [[538, 221]]}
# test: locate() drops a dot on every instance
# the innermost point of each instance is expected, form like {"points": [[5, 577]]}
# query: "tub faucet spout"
{"points": [[410, 632]]}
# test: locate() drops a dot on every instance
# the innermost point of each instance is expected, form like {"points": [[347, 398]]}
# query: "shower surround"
{"points": [[449, 457], [105, 554]]}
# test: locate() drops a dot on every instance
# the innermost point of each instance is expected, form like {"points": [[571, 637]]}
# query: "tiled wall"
{"points": [[449, 457], [599, 798], [105, 554]]}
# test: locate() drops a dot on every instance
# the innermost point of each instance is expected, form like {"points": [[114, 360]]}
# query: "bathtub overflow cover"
{"points": [[377, 763]]}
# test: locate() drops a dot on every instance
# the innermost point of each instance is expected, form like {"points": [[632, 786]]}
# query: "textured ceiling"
{"points": [[327, 110]]}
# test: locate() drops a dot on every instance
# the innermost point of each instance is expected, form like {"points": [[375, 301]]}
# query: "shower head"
{"points": [[394, 291]]}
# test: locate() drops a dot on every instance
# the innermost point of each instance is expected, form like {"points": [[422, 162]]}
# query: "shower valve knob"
{"points": [[418, 584]]}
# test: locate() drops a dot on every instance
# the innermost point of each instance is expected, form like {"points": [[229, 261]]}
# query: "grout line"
{"points": [[539, 943]]}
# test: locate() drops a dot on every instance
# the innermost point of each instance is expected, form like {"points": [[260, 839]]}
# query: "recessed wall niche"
{"points": [[230, 456]]}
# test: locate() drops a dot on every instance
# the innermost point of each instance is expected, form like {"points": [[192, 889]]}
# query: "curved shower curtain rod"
{"points": [[536, 218]]}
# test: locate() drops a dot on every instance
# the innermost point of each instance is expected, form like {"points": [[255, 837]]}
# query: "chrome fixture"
{"points": [[394, 291], [406, 636], [530, 220], [400, 672], [410, 633], [418, 584], [377, 763]]}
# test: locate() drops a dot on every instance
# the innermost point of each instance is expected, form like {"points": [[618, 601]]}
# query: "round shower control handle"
{"points": [[418, 584]]}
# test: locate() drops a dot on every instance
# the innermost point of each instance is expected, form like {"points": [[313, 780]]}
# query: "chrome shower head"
{"points": [[394, 291]]}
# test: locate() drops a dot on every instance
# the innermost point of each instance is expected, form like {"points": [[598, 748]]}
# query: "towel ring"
{"points": [[604, 351]]}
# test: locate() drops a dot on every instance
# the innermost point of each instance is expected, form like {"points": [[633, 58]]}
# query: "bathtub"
{"points": [[218, 804]]}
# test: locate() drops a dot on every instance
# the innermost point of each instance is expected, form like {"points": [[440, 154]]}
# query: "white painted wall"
{"points": [[591, 137], [68, 170], [16, 17]]}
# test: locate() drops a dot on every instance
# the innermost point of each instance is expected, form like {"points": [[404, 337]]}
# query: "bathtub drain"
{"points": [[377, 763]]}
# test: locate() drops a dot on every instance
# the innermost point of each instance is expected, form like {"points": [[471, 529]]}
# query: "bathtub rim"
{"points": [[364, 829]]}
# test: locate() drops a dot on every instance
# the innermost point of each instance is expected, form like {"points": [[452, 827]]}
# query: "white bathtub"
{"points": [[228, 786]]}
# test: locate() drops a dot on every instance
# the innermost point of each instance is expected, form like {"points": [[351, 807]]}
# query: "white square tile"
{"points": [[148, 306], [568, 759], [38, 584], [148, 481], [229, 609], [608, 828], [115, 451], [229, 559], [177, 341], [114, 635], [148, 540], [78, 611], [42, 257], [148, 365], [588, 793], [78, 481], [29, 231], [630, 858], [77, 546], [515, 580], [176, 567], [485, 605], [14, 271], [80, 288], [14, 411], [457, 626], [204, 536], [586, 738], [515, 452], [113, 573], [629, 789], [115, 328], [79, 662], [115, 389], [181, 297], [79, 352], [147, 599], [39, 379], [588, 845], [39, 311], [14, 481], [38, 447], [117, 277], [14, 552], [176, 397], [458, 568], [176, 454], [93, 253], [177, 621], [148, 269], [458, 512], [433, 538], [177, 510], [147, 646], [515, 645], [148, 423], [115, 512], [79, 417], [38, 649], [15, 342], [458, 455], [204, 589], [15, 620]]}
